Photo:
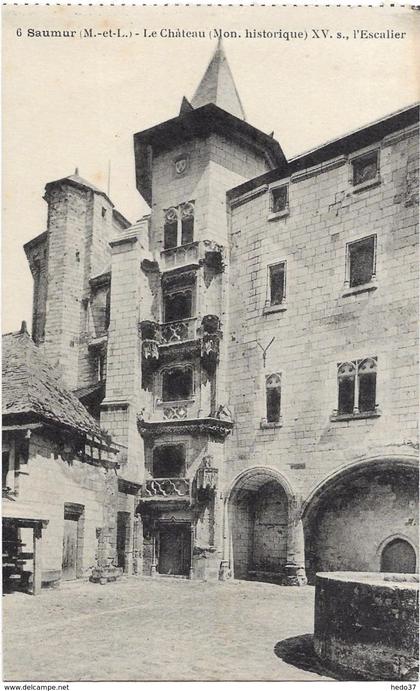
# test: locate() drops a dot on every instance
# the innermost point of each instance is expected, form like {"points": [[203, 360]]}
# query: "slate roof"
{"points": [[32, 390], [217, 86]]}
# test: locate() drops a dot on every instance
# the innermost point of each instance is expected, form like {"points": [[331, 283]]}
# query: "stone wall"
{"points": [[355, 519], [215, 164], [75, 248], [50, 479], [321, 326], [366, 625], [259, 522]]}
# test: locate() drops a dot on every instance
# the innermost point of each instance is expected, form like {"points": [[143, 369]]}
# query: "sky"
{"points": [[77, 102]]}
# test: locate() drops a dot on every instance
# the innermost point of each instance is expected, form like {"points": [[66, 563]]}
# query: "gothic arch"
{"points": [[403, 537]]}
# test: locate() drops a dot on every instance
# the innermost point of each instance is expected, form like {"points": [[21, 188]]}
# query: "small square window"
{"points": [[277, 277], [361, 261], [365, 168], [177, 306], [177, 384], [169, 461], [279, 199]]}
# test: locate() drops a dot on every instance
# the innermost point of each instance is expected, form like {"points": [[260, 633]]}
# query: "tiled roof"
{"points": [[32, 389]]}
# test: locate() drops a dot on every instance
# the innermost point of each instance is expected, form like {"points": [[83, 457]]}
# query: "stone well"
{"points": [[366, 624]]}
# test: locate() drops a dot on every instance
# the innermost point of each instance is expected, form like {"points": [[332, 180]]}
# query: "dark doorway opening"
{"points": [[174, 549], [398, 556], [72, 564], [123, 536]]}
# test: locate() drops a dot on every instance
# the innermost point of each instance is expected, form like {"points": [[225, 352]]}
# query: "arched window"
{"points": [[171, 228], [357, 386], [179, 225], [367, 385], [398, 556], [273, 397], [346, 384]]}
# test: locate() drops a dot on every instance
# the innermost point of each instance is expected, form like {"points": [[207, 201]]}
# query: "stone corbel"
{"points": [[213, 255], [206, 478]]}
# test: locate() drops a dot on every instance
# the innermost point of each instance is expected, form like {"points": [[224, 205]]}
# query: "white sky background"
{"points": [[69, 103]]}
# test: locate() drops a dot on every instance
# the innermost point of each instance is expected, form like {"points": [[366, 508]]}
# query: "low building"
{"points": [[59, 476]]}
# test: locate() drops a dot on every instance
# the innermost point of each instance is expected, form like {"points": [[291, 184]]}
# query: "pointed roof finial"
{"points": [[217, 86]]}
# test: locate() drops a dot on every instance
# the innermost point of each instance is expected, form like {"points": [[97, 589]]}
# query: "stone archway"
{"points": [[260, 532], [397, 555], [355, 510]]}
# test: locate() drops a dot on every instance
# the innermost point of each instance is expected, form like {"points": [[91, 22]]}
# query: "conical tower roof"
{"points": [[217, 86]]}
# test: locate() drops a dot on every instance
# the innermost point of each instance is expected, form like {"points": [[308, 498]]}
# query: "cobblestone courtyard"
{"points": [[156, 629]]}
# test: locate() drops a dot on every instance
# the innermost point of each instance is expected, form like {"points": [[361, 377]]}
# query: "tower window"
{"points": [[107, 314], [177, 305], [273, 397], [169, 461], [177, 384], [357, 386], [361, 261], [103, 212], [179, 225], [277, 280]]}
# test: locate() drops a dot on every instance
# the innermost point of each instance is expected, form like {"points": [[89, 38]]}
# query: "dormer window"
{"points": [[179, 225]]}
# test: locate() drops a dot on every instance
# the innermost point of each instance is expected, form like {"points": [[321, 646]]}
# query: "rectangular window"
{"points": [[4, 468], [277, 277], [279, 199], [177, 384], [357, 386], [169, 461], [177, 306], [187, 234], [361, 261], [365, 168], [170, 235], [101, 366]]}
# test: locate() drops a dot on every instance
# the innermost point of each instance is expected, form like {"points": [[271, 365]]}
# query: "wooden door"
{"points": [[175, 550], [69, 566]]}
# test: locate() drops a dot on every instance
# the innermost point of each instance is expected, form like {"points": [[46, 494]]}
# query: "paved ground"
{"points": [[160, 629]]}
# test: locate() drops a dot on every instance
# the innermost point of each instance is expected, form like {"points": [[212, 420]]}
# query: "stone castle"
{"points": [[250, 346]]}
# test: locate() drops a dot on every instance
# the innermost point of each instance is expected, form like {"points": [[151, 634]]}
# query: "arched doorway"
{"points": [[258, 515], [398, 556], [351, 514]]}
